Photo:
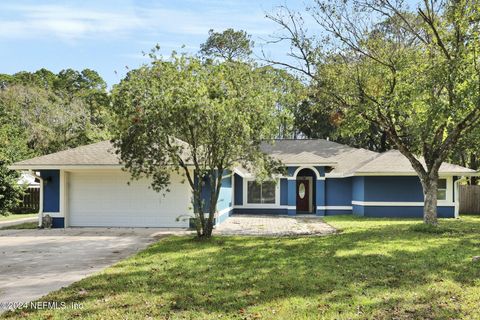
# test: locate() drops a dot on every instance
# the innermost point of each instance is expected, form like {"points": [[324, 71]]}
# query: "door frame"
{"points": [[310, 192]]}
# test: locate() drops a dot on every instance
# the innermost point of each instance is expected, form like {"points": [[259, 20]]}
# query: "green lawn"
{"points": [[374, 269], [11, 217]]}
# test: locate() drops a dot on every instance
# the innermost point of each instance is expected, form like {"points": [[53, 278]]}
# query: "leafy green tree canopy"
{"points": [[199, 119], [43, 112]]}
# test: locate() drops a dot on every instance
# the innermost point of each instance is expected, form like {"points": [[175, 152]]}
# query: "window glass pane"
{"points": [[442, 194], [442, 189], [442, 184], [268, 192], [253, 192]]}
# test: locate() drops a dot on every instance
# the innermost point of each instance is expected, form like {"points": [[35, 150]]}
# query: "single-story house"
{"points": [[86, 187]]}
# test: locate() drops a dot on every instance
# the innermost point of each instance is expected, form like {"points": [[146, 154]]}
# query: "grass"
{"points": [[374, 269], [14, 216], [25, 225]]}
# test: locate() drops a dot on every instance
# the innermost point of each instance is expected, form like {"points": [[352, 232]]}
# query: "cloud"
{"points": [[65, 22], [73, 22]]}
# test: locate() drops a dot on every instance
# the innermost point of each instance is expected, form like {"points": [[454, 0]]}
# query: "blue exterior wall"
{"points": [[393, 189], [266, 211], [292, 197], [338, 192], [405, 212], [58, 222], [333, 192], [320, 197], [358, 210], [358, 188], [283, 192], [51, 190], [336, 212], [238, 189], [225, 195]]}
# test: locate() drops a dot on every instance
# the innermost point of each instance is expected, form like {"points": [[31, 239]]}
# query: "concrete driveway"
{"points": [[35, 262]]}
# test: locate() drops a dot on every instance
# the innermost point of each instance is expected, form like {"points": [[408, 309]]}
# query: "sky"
{"points": [[109, 36]]}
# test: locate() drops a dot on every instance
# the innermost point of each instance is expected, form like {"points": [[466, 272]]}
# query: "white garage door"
{"points": [[104, 199]]}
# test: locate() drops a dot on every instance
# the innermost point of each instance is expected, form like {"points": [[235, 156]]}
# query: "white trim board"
{"points": [[259, 206], [223, 211], [295, 178], [397, 204], [334, 208]]}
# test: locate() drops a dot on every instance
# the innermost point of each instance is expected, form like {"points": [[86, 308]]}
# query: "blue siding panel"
{"points": [[292, 189], [405, 212], [291, 171], [205, 194], [224, 198], [51, 190], [222, 218], [320, 195], [251, 211], [225, 195], [358, 189], [337, 212], [58, 222], [358, 210], [402, 189], [338, 192], [238, 190], [283, 192], [321, 170]]}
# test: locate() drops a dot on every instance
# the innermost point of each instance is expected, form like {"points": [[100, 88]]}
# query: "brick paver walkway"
{"points": [[258, 225]]}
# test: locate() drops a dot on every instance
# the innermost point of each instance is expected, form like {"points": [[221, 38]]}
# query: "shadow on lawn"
{"points": [[335, 272]]}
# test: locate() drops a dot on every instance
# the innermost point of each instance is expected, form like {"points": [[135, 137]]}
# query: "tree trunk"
{"points": [[430, 203]]}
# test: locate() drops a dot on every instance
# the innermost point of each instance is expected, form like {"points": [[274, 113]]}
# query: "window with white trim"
{"points": [[261, 192], [442, 189]]}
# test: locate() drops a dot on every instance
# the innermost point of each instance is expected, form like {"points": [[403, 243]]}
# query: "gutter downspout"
{"points": [[40, 206], [457, 198]]}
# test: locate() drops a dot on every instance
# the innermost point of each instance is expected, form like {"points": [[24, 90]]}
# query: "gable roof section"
{"points": [[98, 154], [343, 158], [393, 162]]}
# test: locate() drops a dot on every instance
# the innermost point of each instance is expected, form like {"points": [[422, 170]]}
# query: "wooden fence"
{"points": [[469, 199], [30, 202]]}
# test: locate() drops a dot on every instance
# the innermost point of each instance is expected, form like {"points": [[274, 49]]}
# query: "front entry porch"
{"points": [[270, 225]]}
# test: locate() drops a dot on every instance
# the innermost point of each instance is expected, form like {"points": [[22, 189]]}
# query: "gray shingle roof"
{"points": [[100, 153], [345, 160], [395, 162]]}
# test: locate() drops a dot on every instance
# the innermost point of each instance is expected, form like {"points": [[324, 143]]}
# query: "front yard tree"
{"points": [[198, 119], [414, 73]]}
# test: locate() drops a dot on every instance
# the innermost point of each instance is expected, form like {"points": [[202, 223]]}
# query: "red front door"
{"points": [[303, 196]]}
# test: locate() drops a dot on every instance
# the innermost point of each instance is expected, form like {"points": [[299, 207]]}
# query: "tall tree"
{"points": [[197, 118], [57, 111], [413, 73], [43, 112], [228, 45]]}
